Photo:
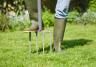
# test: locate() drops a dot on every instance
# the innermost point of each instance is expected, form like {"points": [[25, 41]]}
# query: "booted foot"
{"points": [[58, 50], [34, 26], [59, 29]]}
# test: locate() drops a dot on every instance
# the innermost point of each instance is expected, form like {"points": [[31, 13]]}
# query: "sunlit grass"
{"points": [[78, 49]]}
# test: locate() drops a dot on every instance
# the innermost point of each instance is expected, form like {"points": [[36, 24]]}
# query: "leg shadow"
{"points": [[76, 42], [67, 44], [46, 50]]}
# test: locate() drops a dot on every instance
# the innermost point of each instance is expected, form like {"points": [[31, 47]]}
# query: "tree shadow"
{"points": [[68, 44]]}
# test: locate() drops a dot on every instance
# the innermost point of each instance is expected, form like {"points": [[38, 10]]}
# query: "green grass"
{"points": [[78, 49]]}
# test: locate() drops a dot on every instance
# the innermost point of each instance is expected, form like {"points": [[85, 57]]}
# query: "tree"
{"points": [[14, 5]]}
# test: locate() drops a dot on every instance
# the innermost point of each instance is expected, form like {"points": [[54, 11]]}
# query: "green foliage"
{"points": [[87, 18], [48, 18], [72, 16], [4, 22], [81, 5], [15, 24], [12, 24], [92, 5]]}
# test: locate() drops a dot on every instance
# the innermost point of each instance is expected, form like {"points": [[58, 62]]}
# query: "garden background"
{"points": [[79, 45]]}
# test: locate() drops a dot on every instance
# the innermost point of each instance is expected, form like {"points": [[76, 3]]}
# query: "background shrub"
{"points": [[92, 5], [87, 18], [48, 18], [4, 22], [72, 16], [13, 23], [19, 24]]}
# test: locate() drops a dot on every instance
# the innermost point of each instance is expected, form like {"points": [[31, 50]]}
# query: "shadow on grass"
{"points": [[68, 44], [77, 42]]}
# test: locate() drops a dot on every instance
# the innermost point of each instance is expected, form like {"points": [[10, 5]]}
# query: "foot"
{"points": [[57, 48], [34, 26]]}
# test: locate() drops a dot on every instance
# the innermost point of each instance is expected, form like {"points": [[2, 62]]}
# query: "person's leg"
{"points": [[32, 7], [60, 22]]}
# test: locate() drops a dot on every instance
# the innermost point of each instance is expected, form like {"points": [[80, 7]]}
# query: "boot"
{"points": [[59, 29], [34, 26], [31, 6]]}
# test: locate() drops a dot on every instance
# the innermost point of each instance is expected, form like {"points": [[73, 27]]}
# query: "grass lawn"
{"points": [[78, 49]]}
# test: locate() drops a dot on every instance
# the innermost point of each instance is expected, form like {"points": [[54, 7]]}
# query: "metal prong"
{"points": [[50, 41], [43, 41], [37, 42], [29, 42]]}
